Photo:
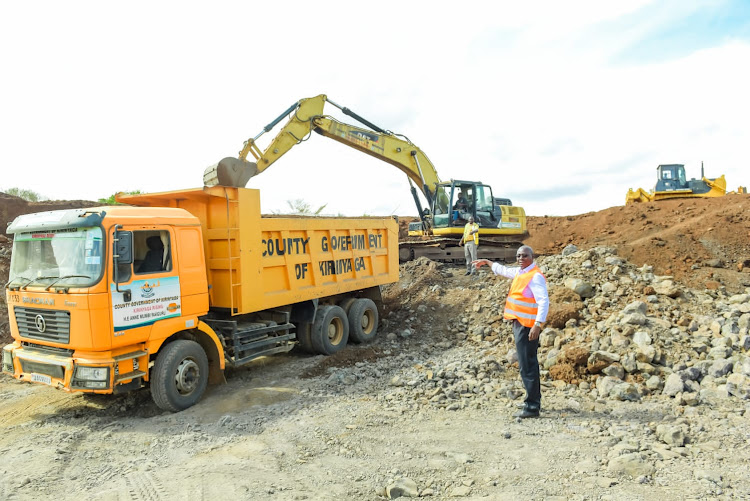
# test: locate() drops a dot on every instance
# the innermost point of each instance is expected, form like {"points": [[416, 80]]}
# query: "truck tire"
{"points": [[304, 332], [347, 303], [363, 321], [330, 331], [179, 376]]}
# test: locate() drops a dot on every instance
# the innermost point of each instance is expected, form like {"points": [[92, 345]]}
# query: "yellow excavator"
{"points": [[671, 183], [449, 204]]}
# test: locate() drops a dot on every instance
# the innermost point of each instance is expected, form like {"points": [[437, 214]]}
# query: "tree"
{"points": [[111, 199], [302, 208], [28, 195]]}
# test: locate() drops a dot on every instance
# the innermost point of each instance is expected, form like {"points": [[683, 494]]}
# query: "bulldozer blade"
{"points": [[230, 171]]}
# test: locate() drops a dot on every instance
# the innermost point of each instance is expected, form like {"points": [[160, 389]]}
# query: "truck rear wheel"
{"points": [[304, 333], [179, 376], [347, 303], [363, 321], [330, 331]]}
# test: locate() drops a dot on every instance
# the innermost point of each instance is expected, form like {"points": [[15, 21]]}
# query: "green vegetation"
{"points": [[302, 208], [111, 199], [28, 195]]}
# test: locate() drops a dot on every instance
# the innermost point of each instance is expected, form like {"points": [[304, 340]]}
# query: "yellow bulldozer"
{"points": [[672, 183]]}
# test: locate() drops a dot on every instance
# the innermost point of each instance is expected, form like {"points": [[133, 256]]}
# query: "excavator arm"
{"points": [[387, 147], [442, 223], [306, 116]]}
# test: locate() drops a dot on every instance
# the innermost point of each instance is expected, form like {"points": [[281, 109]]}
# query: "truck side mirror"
{"points": [[123, 251]]}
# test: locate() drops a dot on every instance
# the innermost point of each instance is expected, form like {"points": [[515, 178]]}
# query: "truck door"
{"points": [[148, 288]]}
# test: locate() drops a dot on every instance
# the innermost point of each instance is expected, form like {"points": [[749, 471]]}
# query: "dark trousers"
{"points": [[528, 365]]}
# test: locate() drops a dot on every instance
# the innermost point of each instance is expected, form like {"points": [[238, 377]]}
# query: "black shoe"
{"points": [[526, 413], [468, 273]]}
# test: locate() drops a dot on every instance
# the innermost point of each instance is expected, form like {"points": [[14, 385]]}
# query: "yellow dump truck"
{"points": [[169, 290]]}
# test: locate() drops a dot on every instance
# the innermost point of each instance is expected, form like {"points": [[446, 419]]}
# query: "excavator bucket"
{"points": [[230, 171]]}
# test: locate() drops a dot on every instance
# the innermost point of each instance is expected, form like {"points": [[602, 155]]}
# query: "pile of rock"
{"points": [[645, 334], [615, 332]]}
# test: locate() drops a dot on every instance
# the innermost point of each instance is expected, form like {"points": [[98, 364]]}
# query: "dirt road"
{"points": [[425, 411]]}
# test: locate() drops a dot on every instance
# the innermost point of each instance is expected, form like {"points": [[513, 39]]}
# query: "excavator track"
{"points": [[500, 248]]}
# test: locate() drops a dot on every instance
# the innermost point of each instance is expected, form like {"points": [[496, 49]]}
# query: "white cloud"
{"points": [[100, 98]]}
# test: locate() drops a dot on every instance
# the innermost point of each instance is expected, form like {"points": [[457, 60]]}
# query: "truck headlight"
{"points": [[92, 373], [7, 361], [91, 377]]}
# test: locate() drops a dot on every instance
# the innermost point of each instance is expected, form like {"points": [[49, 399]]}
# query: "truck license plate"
{"points": [[39, 378]]}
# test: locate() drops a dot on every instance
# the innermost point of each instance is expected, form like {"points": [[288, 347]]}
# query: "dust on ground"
{"points": [[426, 409]]}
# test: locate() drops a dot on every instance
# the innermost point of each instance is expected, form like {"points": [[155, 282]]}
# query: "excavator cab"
{"points": [[465, 199]]}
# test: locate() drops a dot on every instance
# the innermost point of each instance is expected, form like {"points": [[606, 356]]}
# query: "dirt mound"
{"points": [[566, 305], [10, 208], [701, 242]]}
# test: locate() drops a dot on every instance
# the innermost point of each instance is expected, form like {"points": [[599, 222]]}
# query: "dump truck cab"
{"points": [[93, 294]]}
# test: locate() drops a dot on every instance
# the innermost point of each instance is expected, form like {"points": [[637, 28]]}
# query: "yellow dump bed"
{"points": [[256, 262]]}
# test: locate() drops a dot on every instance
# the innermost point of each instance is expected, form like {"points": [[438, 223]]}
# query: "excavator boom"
{"points": [[307, 116], [440, 218]]}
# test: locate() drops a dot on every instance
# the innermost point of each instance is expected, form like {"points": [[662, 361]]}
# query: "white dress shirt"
{"points": [[537, 287]]}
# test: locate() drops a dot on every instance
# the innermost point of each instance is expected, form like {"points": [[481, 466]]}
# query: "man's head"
{"points": [[471, 219], [524, 256]]}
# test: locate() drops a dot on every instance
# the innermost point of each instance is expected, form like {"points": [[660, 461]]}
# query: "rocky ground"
{"points": [[646, 389]]}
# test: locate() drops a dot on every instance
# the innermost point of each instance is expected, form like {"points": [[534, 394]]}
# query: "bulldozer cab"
{"points": [[670, 177]]}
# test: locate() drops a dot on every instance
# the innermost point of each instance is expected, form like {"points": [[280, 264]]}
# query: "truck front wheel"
{"points": [[179, 376], [330, 331]]}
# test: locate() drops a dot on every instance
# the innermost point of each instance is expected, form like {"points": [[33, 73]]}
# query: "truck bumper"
{"points": [[72, 373]]}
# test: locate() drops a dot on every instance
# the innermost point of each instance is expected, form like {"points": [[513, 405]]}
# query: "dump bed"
{"points": [[256, 262]]}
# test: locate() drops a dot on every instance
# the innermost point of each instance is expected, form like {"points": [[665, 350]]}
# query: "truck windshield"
{"points": [[61, 258]]}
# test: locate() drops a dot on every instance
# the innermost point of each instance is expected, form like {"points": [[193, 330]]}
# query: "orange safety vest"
{"points": [[518, 306]]}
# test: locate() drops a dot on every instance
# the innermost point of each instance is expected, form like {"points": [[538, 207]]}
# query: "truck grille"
{"points": [[55, 371], [52, 350], [44, 325]]}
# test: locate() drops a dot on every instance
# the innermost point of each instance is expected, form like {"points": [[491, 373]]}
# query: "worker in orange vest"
{"points": [[526, 307]]}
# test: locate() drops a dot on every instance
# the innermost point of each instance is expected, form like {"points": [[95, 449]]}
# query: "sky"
{"points": [[559, 106]]}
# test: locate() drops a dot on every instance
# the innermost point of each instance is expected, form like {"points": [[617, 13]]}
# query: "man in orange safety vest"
{"points": [[526, 307]]}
